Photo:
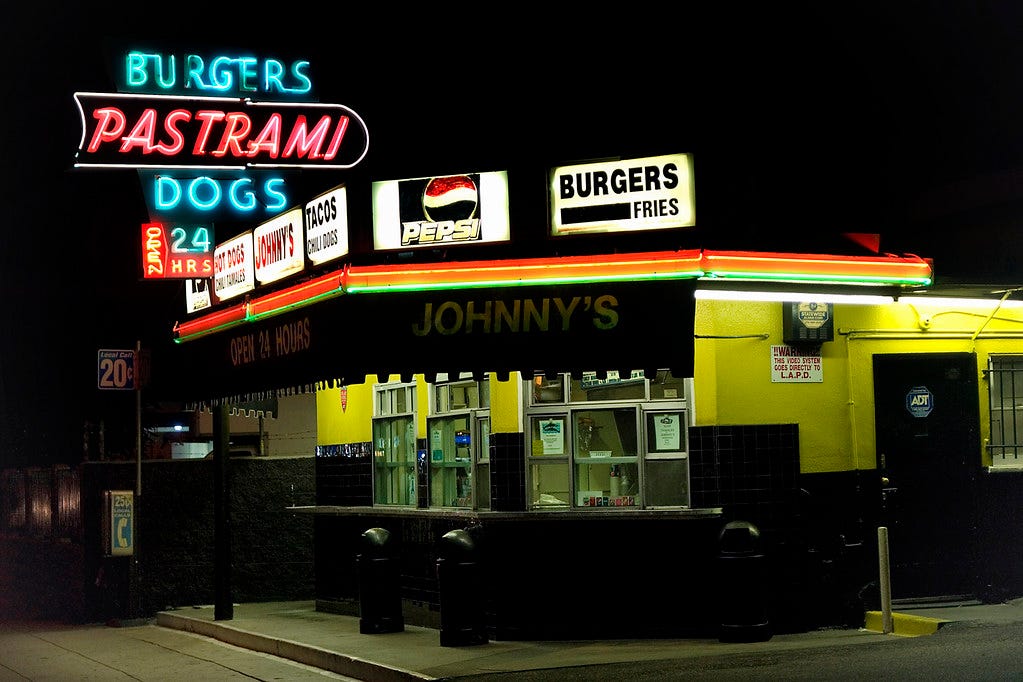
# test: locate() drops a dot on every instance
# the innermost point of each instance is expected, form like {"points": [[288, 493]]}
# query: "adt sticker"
{"points": [[919, 401]]}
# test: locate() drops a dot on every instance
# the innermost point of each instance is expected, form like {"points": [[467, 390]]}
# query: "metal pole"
{"points": [[135, 578], [887, 627], [223, 608]]}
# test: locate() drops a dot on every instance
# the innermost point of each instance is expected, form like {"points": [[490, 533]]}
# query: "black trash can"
{"points": [[379, 584], [462, 612], [742, 585]]}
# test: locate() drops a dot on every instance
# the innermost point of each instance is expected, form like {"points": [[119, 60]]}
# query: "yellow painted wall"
{"points": [[506, 404], [732, 382], [355, 423]]}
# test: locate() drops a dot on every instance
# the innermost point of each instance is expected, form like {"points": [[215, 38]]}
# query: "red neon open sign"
{"points": [[177, 251]]}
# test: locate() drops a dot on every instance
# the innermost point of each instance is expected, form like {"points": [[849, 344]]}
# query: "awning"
{"points": [[569, 328]]}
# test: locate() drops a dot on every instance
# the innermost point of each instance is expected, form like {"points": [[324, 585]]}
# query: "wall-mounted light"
{"points": [[791, 297]]}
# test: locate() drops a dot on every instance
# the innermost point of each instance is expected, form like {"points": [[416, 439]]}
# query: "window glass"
{"points": [[606, 445], [1005, 385], [394, 445], [461, 395], [667, 483], [549, 436], [665, 386], [482, 486], [394, 461], [547, 391], [617, 441], [458, 436], [550, 486], [614, 387], [451, 467]]}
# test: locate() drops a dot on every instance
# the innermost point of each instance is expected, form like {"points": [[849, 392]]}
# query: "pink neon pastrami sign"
{"points": [[164, 131]]}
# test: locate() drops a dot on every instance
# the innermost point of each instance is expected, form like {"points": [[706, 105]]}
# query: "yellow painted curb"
{"points": [[904, 624]]}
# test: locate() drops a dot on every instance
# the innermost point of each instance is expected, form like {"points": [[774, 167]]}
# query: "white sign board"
{"points": [[791, 364], [623, 196], [197, 295], [233, 272], [277, 246], [326, 226]]}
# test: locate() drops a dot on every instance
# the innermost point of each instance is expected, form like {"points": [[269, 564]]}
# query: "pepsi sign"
{"points": [[441, 211]]}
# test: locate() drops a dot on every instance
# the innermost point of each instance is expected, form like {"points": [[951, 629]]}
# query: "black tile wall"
{"points": [[507, 472], [751, 471], [344, 474]]}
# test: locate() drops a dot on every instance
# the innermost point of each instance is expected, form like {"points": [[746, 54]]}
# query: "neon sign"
{"points": [[204, 193], [157, 131], [220, 75], [176, 251]]}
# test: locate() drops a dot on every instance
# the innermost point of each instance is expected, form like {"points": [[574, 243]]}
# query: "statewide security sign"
{"points": [[919, 401], [623, 196], [116, 370]]}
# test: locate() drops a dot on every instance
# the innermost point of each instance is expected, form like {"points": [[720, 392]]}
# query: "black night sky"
{"points": [[805, 121]]}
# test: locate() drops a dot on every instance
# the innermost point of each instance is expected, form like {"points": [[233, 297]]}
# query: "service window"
{"points": [[458, 434], [618, 440], [666, 464], [548, 461], [394, 444], [605, 456]]}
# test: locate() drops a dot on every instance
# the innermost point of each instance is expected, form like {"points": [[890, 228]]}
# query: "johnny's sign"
{"points": [[623, 196]]}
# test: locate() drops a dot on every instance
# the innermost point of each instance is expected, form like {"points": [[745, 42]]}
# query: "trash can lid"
{"points": [[739, 537]]}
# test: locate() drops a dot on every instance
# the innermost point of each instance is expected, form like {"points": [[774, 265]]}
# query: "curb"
{"points": [[294, 651], [904, 624]]}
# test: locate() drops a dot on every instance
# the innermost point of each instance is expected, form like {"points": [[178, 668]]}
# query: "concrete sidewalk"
{"points": [[295, 630]]}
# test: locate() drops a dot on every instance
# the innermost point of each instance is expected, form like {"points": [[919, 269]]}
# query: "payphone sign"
{"points": [[122, 523]]}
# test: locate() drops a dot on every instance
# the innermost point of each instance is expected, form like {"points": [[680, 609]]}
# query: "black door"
{"points": [[928, 458]]}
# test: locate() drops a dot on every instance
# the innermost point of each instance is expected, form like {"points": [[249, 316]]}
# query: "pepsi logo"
{"points": [[455, 197]]}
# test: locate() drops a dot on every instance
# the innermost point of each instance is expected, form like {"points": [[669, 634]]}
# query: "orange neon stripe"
{"points": [[208, 321], [805, 264], [324, 284], [377, 276]]}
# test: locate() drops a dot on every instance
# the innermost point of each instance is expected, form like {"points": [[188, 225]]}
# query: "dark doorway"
{"points": [[928, 457]]}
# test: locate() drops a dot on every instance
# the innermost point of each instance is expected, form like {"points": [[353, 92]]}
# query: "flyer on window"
{"points": [[552, 436]]}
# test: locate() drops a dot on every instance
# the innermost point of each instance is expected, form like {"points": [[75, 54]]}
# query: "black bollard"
{"points": [[742, 584], [462, 616], [379, 585]]}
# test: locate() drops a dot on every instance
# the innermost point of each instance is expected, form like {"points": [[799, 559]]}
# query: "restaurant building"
{"points": [[579, 382], [594, 421]]}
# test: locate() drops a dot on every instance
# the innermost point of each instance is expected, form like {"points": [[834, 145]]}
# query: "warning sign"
{"points": [[796, 365]]}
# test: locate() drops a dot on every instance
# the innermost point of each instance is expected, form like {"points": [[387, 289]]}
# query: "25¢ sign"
{"points": [[117, 370]]}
